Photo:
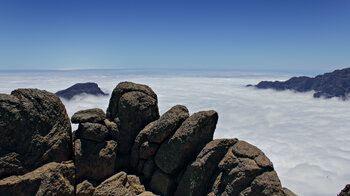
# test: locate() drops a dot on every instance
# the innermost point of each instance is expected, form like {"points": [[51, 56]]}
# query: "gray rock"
{"points": [[94, 115], [197, 175], [122, 88], [157, 131], [84, 189], [245, 170], [50, 179], [94, 160], [120, 184], [34, 130], [135, 112], [187, 142], [92, 131]]}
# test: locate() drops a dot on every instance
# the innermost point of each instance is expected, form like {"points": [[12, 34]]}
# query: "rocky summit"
{"points": [[129, 150], [328, 85], [89, 88]]}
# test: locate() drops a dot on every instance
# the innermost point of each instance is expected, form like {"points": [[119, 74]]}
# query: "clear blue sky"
{"points": [[205, 34]]}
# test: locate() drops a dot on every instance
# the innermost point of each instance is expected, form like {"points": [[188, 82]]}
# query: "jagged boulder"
{"points": [[92, 131], [245, 170], [94, 160], [94, 115], [34, 130], [187, 142], [50, 179], [122, 88], [120, 184], [148, 140], [84, 189], [197, 175], [132, 106]]}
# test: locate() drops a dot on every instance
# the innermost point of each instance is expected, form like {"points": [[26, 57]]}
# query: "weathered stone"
{"points": [[94, 160], [84, 189], [112, 129], [92, 131], [34, 130], [162, 184], [120, 184], [122, 88], [135, 112], [288, 192], [243, 148], [50, 179], [198, 174], [187, 142], [267, 184], [245, 170], [94, 115], [148, 149], [157, 131]]}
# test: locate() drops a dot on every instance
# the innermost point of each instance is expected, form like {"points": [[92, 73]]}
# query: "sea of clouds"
{"points": [[307, 139]]}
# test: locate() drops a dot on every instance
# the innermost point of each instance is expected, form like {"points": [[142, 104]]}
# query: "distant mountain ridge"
{"points": [[79, 88], [328, 85]]}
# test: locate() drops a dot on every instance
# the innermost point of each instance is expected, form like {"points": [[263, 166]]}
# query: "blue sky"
{"points": [[207, 34]]}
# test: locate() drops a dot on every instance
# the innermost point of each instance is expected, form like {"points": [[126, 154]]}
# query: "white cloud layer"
{"points": [[307, 139]]}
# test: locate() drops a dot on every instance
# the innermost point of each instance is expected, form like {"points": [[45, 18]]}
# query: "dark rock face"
{"points": [[132, 106], [80, 88], [345, 191], [238, 173], [148, 140], [34, 130], [84, 189], [187, 141], [197, 175], [328, 85], [94, 160], [50, 179], [172, 155], [122, 88], [94, 115]]}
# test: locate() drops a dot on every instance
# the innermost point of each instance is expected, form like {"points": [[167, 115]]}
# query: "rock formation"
{"points": [[127, 151], [328, 85], [80, 88]]}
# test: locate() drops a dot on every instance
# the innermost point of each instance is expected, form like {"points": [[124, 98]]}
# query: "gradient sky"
{"points": [[205, 34]]}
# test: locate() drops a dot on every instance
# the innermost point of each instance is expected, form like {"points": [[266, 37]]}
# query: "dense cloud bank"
{"points": [[306, 139]]}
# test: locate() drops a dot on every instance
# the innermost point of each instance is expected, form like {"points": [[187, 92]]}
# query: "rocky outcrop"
{"points": [[94, 115], [89, 88], [174, 154], [34, 130], [50, 179], [345, 191], [187, 142], [197, 174], [328, 85], [94, 160], [120, 184], [132, 106]]}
